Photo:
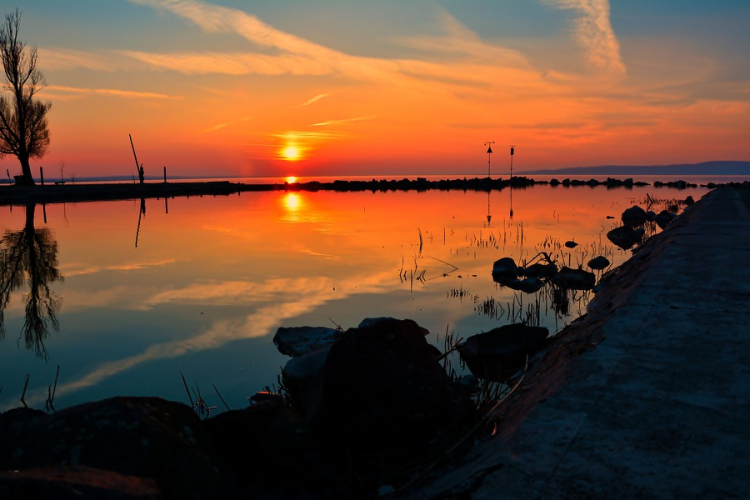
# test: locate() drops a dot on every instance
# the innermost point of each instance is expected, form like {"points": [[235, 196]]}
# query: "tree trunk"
{"points": [[26, 178]]}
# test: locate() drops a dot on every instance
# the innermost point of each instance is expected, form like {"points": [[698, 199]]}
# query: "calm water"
{"points": [[211, 279]]}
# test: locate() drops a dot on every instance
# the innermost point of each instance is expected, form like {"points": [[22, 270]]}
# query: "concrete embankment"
{"points": [[648, 395]]}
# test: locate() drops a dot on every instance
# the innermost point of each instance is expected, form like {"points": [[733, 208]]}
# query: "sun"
{"points": [[290, 153], [291, 179]]}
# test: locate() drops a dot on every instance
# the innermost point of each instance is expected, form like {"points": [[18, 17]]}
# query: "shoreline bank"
{"points": [[626, 401]]}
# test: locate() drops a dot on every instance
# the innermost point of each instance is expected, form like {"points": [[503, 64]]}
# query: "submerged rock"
{"points": [[501, 352], [574, 279]]}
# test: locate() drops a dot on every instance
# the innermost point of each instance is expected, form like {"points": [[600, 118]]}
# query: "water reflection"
{"points": [[28, 260]]}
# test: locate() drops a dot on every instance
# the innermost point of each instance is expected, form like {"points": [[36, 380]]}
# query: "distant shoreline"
{"points": [[18, 195]]}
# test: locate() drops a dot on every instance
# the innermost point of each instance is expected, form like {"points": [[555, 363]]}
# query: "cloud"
{"points": [[595, 33], [343, 120], [220, 126], [63, 59], [292, 55], [313, 100], [62, 93]]}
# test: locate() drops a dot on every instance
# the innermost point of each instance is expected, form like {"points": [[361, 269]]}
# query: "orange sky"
{"points": [[378, 88]]}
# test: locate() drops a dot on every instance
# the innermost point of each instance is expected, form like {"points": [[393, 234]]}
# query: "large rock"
{"points": [[300, 373], [504, 268], [664, 218], [75, 483], [382, 389], [624, 237], [501, 352], [634, 216], [296, 341], [144, 437]]}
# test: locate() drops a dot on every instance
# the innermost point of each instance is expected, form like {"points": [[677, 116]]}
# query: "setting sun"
{"points": [[291, 153], [291, 179]]}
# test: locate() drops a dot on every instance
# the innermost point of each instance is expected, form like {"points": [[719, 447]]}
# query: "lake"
{"points": [[133, 294]]}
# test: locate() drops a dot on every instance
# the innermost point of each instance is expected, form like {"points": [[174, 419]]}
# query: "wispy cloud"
{"points": [[220, 126], [63, 59], [343, 120], [595, 33], [313, 100], [61, 92]]}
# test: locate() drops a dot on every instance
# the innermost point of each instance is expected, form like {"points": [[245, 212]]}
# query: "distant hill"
{"points": [[705, 168]]}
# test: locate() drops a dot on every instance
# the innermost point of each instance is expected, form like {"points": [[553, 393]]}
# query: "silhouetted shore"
{"points": [[10, 195]]}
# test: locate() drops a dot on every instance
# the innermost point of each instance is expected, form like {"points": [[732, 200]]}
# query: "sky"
{"points": [[387, 87]]}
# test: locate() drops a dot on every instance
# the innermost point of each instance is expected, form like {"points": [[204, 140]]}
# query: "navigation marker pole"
{"points": [[489, 155]]}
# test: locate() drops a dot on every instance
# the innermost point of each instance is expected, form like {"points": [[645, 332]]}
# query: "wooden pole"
{"points": [[41, 174], [165, 174], [134, 155]]}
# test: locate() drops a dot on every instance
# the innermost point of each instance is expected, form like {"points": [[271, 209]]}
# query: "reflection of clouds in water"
{"points": [[292, 297], [78, 269]]}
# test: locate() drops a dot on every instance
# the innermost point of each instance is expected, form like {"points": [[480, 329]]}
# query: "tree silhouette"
{"points": [[23, 119], [28, 260]]}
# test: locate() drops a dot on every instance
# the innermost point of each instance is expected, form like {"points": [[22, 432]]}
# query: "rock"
{"points": [[382, 389], [599, 263], [300, 372], [371, 321], [501, 352], [144, 437], [540, 270], [689, 201], [571, 244], [634, 216], [664, 218], [505, 268], [74, 483], [624, 237], [574, 279], [271, 451], [527, 285], [296, 341]]}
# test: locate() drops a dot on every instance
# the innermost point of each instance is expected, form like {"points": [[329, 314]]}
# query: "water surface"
{"points": [[143, 291]]}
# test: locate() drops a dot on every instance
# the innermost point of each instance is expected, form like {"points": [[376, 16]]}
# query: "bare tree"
{"points": [[23, 119]]}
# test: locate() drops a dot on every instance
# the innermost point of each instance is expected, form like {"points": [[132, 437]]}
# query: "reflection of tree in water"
{"points": [[28, 260]]}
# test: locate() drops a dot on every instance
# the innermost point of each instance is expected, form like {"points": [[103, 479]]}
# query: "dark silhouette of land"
{"points": [[58, 193], [737, 168]]}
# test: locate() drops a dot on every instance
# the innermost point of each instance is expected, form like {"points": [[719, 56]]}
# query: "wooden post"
{"points": [[41, 174], [165, 174]]}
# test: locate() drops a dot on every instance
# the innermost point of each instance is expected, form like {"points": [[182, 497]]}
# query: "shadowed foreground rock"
{"points": [[382, 389], [381, 406], [143, 437]]}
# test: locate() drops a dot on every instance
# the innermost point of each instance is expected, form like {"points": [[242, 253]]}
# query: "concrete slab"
{"points": [[647, 396]]}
